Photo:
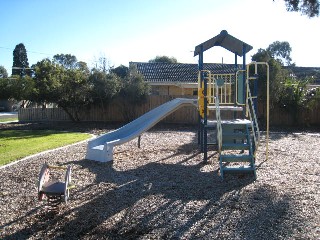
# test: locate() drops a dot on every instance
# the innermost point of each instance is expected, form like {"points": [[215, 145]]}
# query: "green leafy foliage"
{"points": [[280, 51], [277, 75], [20, 65], [47, 78], [121, 71], [18, 88], [104, 87], [295, 96], [135, 89], [134, 92], [68, 87], [306, 7], [287, 90], [3, 72], [68, 61], [163, 59]]}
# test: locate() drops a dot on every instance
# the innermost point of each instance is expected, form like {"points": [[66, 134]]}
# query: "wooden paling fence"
{"points": [[117, 111], [122, 111]]}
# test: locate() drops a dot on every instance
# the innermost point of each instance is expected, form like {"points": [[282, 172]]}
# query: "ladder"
{"points": [[237, 140], [236, 145]]}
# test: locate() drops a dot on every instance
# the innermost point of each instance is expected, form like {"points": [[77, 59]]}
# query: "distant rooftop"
{"points": [[178, 72]]}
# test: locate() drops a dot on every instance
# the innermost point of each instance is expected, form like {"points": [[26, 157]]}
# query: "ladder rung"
{"points": [[238, 135], [238, 169], [236, 158], [235, 146]]}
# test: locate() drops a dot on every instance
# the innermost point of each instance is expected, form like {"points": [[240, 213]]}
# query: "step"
{"points": [[226, 108], [238, 122], [238, 169], [231, 128], [235, 146], [235, 158], [233, 136]]}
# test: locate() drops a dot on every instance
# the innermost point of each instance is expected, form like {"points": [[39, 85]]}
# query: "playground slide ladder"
{"points": [[238, 140], [235, 145]]}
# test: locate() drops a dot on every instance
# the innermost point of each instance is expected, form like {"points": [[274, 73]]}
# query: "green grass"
{"points": [[9, 119], [16, 144]]}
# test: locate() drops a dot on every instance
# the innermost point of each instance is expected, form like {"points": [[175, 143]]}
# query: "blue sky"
{"points": [[138, 30]]}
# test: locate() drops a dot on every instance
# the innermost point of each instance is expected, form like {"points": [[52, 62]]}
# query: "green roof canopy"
{"points": [[225, 40]]}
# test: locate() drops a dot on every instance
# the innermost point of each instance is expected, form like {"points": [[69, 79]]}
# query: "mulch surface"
{"points": [[163, 190]]}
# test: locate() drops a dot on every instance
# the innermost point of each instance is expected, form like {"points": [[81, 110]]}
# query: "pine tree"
{"points": [[20, 61]]}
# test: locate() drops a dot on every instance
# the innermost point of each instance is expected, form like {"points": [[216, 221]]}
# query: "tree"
{"points": [[3, 72], [74, 92], [18, 88], [134, 92], [102, 63], [68, 88], [83, 66], [68, 61], [121, 71], [280, 51], [277, 75], [305, 7], [104, 87], [5, 90], [163, 59], [20, 61]]}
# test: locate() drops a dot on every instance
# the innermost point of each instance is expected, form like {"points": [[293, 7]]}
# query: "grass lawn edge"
{"points": [[46, 151]]}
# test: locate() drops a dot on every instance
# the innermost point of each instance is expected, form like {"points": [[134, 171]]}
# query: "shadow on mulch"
{"points": [[229, 209], [178, 185]]}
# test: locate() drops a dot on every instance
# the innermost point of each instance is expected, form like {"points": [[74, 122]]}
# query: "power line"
{"points": [[42, 53]]}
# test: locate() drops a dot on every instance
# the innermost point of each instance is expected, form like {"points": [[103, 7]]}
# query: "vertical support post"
{"points": [[234, 85], [139, 141], [255, 89], [268, 112], [200, 130], [204, 121], [244, 75]]}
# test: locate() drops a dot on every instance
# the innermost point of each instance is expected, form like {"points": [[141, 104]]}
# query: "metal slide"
{"points": [[101, 148]]}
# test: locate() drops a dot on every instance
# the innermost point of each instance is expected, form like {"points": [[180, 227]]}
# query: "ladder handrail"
{"points": [[268, 99], [253, 119]]}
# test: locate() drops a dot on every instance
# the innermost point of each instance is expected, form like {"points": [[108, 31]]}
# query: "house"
{"points": [[177, 79], [310, 73]]}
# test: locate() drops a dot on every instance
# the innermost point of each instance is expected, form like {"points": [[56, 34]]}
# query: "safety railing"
{"points": [[223, 85], [253, 119], [251, 109]]}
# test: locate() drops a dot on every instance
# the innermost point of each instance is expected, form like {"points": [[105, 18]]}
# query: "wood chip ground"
{"points": [[163, 190]]}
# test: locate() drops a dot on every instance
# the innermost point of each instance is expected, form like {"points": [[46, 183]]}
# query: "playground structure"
{"points": [[236, 140], [56, 191]]}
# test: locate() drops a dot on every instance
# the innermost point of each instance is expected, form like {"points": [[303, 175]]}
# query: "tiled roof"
{"points": [[178, 72]]}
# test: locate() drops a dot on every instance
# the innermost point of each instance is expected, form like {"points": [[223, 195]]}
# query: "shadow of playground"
{"points": [[178, 201]]}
